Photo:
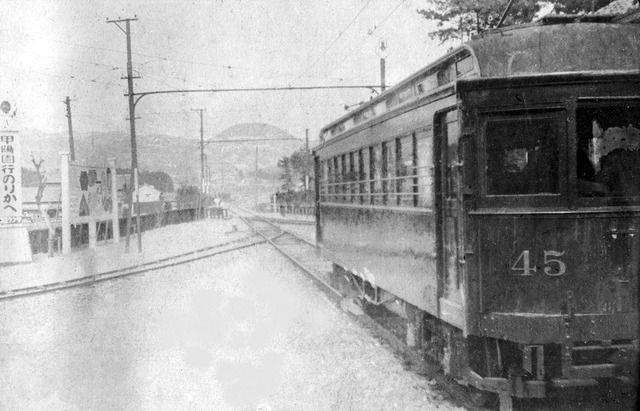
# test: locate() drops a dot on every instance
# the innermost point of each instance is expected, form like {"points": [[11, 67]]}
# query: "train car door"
{"points": [[446, 136]]}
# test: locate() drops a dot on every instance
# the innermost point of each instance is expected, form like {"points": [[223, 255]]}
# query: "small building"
{"points": [[51, 200], [148, 193]]}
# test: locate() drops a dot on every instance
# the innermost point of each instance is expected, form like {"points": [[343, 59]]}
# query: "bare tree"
{"points": [[42, 184]]}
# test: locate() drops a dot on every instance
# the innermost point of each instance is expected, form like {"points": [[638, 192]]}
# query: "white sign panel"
{"points": [[90, 192], [10, 171]]}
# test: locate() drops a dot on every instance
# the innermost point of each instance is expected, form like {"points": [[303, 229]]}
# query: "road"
{"points": [[231, 332]]}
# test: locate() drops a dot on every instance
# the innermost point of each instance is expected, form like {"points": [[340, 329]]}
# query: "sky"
{"points": [[52, 49]]}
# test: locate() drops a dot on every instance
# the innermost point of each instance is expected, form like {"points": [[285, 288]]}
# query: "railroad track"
{"points": [[305, 256], [205, 252]]}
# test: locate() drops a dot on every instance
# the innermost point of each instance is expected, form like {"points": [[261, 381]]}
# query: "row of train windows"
{"points": [[427, 82], [394, 173]]}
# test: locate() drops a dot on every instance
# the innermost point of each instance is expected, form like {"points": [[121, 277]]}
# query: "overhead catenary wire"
{"points": [[341, 32], [369, 34]]}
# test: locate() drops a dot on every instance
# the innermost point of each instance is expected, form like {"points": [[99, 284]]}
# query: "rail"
{"points": [[172, 261]]}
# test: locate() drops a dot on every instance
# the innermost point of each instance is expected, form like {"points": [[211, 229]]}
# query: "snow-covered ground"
{"points": [[230, 332]]}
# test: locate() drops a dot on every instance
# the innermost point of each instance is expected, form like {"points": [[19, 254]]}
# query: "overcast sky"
{"points": [[54, 48]]}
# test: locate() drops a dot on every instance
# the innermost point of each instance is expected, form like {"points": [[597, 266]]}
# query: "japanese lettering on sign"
{"points": [[10, 172]]}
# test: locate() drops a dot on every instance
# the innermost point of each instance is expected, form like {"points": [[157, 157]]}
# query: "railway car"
{"points": [[492, 199]]}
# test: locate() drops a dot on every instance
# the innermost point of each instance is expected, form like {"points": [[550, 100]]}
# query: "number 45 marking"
{"points": [[554, 267]]}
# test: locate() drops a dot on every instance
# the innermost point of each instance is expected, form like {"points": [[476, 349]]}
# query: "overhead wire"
{"points": [[369, 34], [337, 38]]}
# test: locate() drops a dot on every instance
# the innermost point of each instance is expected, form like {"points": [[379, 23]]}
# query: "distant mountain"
{"points": [[178, 157]]}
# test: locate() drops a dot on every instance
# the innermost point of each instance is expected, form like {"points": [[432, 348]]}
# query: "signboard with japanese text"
{"points": [[89, 193], [10, 171]]}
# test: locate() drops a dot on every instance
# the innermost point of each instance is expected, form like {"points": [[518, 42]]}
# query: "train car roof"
{"points": [[553, 45], [558, 48]]}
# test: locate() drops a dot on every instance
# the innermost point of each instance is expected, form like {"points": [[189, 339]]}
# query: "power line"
{"points": [[67, 77], [350, 53], [337, 38], [162, 58]]}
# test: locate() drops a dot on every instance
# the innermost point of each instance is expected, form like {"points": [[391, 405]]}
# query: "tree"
{"points": [[188, 196], [287, 174], [296, 169], [302, 164], [460, 19], [42, 184]]}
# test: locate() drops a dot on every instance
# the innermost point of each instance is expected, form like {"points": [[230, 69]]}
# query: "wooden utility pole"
{"points": [[72, 150], [134, 146], [306, 174], [383, 86], [200, 110], [255, 191]]}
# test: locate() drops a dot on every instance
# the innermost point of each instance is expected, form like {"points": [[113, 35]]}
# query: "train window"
{"points": [[424, 169], [353, 177], [404, 95], [364, 115], [464, 66], [388, 173], [404, 171], [608, 150], [375, 174], [337, 129], [392, 101], [346, 186], [324, 186], [336, 180], [452, 137], [522, 155], [444, 76], [330, 187], [363, 161], [343, 178]]}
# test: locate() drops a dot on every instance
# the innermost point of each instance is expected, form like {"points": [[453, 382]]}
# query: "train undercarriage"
{"points": [[497, 371]]}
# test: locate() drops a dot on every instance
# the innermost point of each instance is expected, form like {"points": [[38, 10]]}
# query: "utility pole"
{"points": [[72, 150], [201, 160], [134, 145], [306, 174], [200, 110], [383, 53], [255, 191]]}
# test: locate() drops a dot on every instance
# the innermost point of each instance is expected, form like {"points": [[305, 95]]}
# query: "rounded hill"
{"points": [[253, 130]]}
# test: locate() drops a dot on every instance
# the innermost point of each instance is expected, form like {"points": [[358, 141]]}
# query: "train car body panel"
{"points": [[394, 251]]}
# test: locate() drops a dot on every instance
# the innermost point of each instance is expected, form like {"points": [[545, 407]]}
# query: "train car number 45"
{"points": [[554, 267]]}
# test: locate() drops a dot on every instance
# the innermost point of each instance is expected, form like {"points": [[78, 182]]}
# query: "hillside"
{"points": [[178, 157]]}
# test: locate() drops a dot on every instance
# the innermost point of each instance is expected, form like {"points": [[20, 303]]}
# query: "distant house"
{"points": [[619, 7], [148, 194]]}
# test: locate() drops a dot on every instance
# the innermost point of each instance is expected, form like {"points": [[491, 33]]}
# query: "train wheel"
{"points": [[480, 398], [506, 402]]}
